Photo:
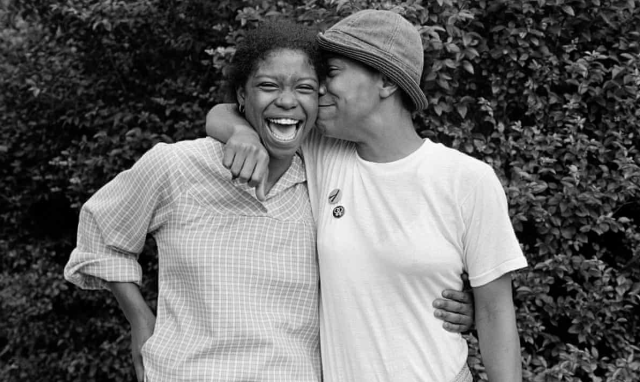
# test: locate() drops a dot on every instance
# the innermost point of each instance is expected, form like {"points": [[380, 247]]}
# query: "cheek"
{"points": [[310, 103], [252, 113]]}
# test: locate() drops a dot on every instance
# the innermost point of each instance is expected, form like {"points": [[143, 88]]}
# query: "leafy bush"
{"points": [[546, 91]]}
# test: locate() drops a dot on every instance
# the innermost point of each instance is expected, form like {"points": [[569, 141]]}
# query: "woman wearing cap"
{"points": [[399, 217]]}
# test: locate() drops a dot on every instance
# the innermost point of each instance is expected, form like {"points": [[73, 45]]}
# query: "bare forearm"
{"points": [[223, 120], [497, 331], [132, 303], [500, 347]]}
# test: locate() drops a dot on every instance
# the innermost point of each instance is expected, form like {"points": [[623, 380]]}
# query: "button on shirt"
{"points": [[238, 279]]}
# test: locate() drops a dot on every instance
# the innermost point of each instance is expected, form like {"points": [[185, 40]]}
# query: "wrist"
{"points": [[243, 129], [143, 315]]}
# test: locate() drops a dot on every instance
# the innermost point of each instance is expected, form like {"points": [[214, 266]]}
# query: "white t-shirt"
{"points": [[392, 239]]}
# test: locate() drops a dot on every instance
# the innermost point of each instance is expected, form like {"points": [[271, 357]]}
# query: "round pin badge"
{"points": [[335, 196], [338, 212]]}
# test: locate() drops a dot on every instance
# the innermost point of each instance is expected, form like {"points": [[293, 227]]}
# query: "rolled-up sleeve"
{"points": [[115, 221]]}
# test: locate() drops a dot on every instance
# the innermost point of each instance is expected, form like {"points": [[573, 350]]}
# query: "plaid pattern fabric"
{"points": [[238, 279]]}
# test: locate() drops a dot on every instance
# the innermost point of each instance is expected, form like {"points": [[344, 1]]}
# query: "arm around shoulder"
{"points": [[244, 154], [224, 120]]}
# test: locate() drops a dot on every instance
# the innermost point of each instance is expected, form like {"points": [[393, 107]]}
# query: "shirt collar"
{"points": [[295, 174]]}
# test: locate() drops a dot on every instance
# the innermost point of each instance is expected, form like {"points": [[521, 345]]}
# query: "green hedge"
{"points": [[546, 91]]}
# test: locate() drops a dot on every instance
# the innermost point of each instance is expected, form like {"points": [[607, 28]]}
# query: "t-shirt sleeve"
{"points": [[491, 248], [115, 221]]}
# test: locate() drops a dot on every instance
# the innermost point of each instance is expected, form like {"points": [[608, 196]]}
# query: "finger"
{"points": [[260, 172], [261, 192], [455, 328], [449, 305], [227, 157], [247, 170], [465, 309], [453, 318], [139, 367], [460, 296], [236, 166], [254, 181]]}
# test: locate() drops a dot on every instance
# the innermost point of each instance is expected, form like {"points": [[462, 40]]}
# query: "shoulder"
{"points": [[184, 159], [317, 144], [196, 152], [456, 163], [197, 148], [200, 160]]}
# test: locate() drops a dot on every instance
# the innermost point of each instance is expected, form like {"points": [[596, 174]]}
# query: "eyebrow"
{"points": [[299, 79]]}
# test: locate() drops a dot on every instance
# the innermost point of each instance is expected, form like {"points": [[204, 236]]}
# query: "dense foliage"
{"points": [[546, 91]]}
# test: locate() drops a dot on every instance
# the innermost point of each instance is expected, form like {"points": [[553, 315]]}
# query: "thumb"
{"points": [[261, 190], [139, 369]]}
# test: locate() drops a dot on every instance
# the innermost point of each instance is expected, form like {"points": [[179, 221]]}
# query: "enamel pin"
{"points": [[338, 212], [335, 196]]}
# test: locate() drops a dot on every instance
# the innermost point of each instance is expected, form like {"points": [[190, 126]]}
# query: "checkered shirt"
{"points": [[238, 279]]}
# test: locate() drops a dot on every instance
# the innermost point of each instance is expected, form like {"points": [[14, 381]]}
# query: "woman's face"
{"points": [[351, 96], [281, 100]]}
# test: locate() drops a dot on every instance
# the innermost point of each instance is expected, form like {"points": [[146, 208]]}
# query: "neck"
{"points": [[391, 136], [277, 167]]}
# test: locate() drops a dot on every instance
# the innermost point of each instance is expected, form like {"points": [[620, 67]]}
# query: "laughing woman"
{"points": [[238, 279]]}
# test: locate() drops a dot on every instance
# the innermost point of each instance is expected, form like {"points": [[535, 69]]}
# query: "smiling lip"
{"points": [[284, 129]]}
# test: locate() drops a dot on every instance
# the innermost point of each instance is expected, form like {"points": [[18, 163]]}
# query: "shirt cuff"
{"points": [[92, 272]]}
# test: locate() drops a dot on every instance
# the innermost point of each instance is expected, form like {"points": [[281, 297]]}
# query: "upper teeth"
{"points": [[284, 121]]}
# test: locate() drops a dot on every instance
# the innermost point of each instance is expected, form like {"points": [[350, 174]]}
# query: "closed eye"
{"points": [[307, 89], [332, 71], [267, 86]]}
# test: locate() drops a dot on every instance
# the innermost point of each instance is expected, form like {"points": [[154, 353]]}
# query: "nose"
{"points": [[286, 100], [322, 90]]}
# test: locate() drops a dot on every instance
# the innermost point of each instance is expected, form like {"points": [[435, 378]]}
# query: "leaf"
{"points": [[568, 10], [462, 109], [616, 71], [467, 66], [451, 47], [443, 83], [341, 4], [467, 39]]}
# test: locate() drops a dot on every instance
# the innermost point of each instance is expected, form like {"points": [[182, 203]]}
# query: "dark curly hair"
{"points": [[270, 36]]}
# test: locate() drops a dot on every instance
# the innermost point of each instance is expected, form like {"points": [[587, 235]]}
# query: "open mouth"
{"points": [[284, 129]]}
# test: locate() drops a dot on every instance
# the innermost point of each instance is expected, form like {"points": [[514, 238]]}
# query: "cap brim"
{"points": [[377, 59]]}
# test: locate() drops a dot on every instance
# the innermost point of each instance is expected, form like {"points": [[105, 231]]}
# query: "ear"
{"points": [[240, 95], [387, 87]]}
